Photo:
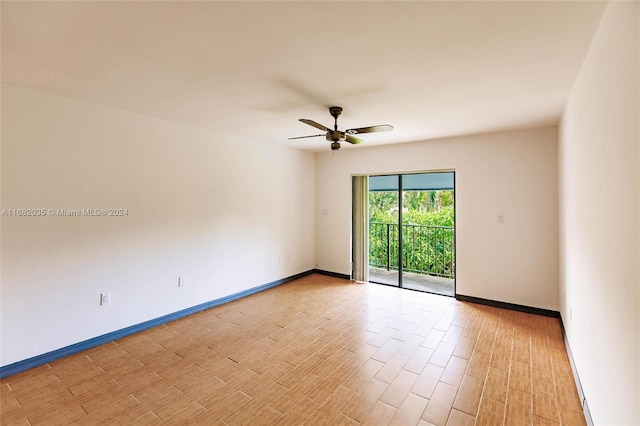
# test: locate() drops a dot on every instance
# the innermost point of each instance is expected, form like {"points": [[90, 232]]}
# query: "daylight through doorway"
{"points": [[411, 235]]}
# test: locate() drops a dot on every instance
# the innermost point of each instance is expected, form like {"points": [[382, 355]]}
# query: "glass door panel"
{"points": [[413, 214], [384, 236]]}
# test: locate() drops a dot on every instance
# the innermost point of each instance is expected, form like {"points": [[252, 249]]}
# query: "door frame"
{"points": [[365, 225]]}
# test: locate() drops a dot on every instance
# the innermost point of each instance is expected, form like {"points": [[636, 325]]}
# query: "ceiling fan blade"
{"points": [[370, 129], [314, 124], [353, 139], [311, 136]]}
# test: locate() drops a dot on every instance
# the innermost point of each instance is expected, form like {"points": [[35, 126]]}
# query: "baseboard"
{"points": [[332, 274], [576, 377], [45, 358], [510, 306]]}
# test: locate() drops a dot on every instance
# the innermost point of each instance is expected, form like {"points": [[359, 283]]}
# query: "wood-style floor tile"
{"points": [[410, 410], [359, 407], [458, 418], [390, 369], [520, 376], [299, 412], [317, 350], [343, 420], [544, 405], [541, 421], [495, 386], [490, 413], [479, 364], [440, 404], [329, 385], [399, 388], [419, 360], [381, 413], [433, 339], [442, 355], [468, 397], [333, 406], [454, 371], [518, 408], [427, 381], [465, 347]]}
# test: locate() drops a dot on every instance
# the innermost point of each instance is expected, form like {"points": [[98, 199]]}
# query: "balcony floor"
{"points": [[428, 283]]}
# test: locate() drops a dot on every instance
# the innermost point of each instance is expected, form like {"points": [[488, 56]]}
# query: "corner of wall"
{"points": [[599, 247]]}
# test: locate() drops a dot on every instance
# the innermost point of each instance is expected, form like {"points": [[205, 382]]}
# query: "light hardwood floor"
{"points": [[316, 351]]}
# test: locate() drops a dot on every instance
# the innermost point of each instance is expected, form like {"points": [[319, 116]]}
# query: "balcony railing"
{"points": [[426, 250]]}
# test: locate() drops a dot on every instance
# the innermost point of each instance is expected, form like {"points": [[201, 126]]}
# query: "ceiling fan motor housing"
{"points": [[335, 136]]}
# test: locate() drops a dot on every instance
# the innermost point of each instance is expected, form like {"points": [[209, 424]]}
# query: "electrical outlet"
{"points": [[105, 298], [500, 218]]}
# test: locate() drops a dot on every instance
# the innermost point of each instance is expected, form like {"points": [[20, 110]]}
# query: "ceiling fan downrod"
{"points": [[335, 112]]}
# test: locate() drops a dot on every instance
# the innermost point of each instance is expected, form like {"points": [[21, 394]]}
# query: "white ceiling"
{"points": [[431, 69]]}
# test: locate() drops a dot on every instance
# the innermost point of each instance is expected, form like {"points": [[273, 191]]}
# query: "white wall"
{"points": [[599, 219], [227, 214], [509, 173]]}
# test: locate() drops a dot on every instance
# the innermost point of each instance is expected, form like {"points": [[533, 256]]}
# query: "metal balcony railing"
{"points": [[427, 249]]}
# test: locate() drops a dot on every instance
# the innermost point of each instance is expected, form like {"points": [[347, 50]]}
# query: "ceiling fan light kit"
{"points": [[336, 136]]}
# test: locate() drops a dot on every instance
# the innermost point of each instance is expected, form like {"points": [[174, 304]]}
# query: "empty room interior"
{"points": [[186, 233]]}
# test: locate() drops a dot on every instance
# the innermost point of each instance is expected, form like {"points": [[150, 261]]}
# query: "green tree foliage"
{"points": [[419, 207], [428, 234]]}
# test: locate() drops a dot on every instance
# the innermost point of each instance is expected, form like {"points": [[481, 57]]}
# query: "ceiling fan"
{"points": [[336, 136]]}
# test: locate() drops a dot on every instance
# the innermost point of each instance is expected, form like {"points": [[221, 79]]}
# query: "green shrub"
{"points": [[428, 234]]}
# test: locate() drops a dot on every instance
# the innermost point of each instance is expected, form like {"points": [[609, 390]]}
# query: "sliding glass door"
{"points": [[412, 231], [385, 211]]}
